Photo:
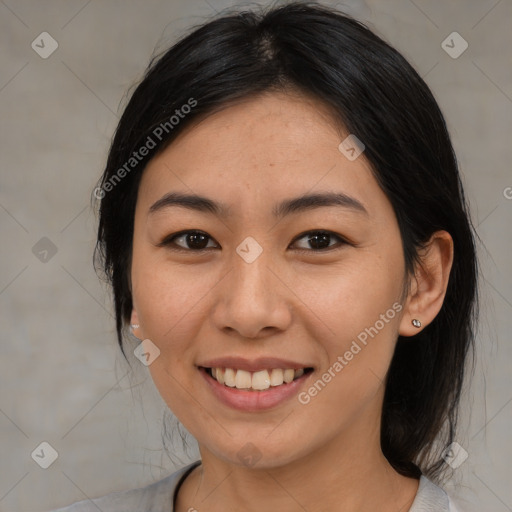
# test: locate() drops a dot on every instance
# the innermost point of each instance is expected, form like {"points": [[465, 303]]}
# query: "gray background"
{"points": [[63, 379]]}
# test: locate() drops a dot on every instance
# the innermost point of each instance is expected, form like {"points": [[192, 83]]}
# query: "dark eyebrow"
{"points": [[192, 202], [318, 200], [286, 207]]}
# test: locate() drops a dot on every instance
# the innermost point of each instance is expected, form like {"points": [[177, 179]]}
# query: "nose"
{"points": [[253, 300]]}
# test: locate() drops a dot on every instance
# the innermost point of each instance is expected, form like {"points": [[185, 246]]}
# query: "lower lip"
{"points": [[253, 401]]}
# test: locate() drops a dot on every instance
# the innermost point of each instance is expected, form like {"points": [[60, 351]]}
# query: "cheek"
{"points": [[170, 314], [166, 298], [360, 308], [353, 298], [167, 305], [358, 356]]}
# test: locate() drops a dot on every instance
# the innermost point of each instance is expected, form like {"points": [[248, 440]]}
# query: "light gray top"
{"points": [[159, 497]]}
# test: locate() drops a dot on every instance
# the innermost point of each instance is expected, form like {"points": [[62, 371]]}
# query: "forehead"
{"points": [[286, 125], [275, 145]]}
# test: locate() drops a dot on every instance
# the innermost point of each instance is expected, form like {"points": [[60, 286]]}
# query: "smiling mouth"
{"points": [[255, 381]]}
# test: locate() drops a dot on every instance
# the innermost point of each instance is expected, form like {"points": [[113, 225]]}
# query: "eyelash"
{"points": [[169, 241]]}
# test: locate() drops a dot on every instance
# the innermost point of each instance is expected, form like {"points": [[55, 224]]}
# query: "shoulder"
{"points": [[157, 497], [432, 498]]}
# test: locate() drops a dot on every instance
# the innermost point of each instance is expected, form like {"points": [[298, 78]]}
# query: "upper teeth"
{"points": [[261, 380]]}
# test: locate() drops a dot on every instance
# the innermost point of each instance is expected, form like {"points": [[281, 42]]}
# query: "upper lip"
{"points": [[253, 365]]}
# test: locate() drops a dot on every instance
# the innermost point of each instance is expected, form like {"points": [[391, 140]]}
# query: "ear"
{"points": [[429, 283], [135, 324]]}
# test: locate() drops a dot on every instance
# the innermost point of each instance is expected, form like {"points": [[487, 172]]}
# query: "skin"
{"points": [[308, 306]]}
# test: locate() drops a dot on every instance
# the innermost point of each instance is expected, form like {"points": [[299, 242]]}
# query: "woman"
{"points": [[284, 228]]}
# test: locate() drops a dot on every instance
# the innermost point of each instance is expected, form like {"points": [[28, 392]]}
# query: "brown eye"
{"points": [[317, 241], [187, 240], [196, 241]]}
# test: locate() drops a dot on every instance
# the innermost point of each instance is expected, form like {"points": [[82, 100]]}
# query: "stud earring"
{"points": [[134, 326], [416, 323]]}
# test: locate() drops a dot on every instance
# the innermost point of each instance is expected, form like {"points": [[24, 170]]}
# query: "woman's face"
{"points": [[267, 292]]}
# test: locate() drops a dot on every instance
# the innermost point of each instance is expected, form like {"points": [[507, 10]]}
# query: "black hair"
{"points": [[375, 94]]}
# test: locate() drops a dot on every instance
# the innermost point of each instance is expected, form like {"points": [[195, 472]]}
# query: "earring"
{"points": [[134, 326], [416, 323]]}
